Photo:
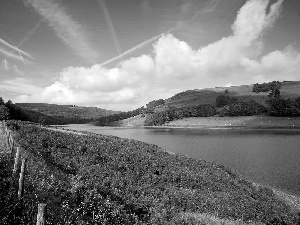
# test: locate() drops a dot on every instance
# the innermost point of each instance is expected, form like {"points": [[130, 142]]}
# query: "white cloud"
{"points": [[236, 59], [65, 27]]}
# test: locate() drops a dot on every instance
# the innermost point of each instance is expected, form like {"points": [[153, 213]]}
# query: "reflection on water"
{"points": [[270, 157]]}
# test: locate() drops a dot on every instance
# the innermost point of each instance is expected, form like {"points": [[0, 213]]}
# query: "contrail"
{"points": [[132, 49], [16, 49], [27, 36], [11, 55], [154, 38], [110, 26], [21, 56]]}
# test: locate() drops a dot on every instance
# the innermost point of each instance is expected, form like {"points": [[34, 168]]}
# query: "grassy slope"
{"points": [[66, 111], [132, 175], [130, 122], [136, 177], [243, 92]]}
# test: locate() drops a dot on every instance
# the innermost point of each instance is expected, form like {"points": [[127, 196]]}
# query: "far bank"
{"points": [[246, 122]]}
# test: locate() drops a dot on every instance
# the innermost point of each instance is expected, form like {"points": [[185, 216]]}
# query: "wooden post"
{"points": [[40, 219], [16, 160], [12, 149], [21, 179], [8, 139], [11, 140]]}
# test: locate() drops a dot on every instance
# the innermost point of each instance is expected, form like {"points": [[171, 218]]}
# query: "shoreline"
{"points": [[292, 199], [223, 128]]}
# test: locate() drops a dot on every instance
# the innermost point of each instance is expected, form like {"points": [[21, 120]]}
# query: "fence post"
{"points": [[7, 139], [12, 150], [16, 160], [40, 219], [21, 179]]}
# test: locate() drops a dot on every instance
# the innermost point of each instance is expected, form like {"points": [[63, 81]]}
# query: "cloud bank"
{"points": [[175, 66], [65, 27]]}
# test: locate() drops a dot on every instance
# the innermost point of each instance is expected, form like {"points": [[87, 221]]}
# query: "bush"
{"points": [[222, 100], [246, 109], [173, 113], [265, 87], [281, 107]]}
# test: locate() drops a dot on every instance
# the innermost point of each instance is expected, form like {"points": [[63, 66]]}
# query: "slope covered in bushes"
{"points": [[105, 179]]}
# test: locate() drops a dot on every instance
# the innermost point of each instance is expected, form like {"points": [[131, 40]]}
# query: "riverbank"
{"points": [[247, 122], [138, 181]]}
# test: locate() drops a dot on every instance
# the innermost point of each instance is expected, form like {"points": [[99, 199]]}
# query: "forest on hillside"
{"points": [[231, 106]]}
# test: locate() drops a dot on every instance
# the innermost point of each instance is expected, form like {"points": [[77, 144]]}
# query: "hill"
{"points": [[98, 179], [67, 113], [251, 99], [289, 89]]}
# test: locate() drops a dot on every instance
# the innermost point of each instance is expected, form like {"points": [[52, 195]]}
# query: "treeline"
{"points": [[102, 121], [9, 110], [265, 87], [151, 105], [240, 108], [223, 100], [282, 107], [173, 113], [67, 112]]}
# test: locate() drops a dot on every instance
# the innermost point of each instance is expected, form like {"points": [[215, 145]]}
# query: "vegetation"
{"points": [[265, 87], [239, 108], [67, 114], [106, 120], [223, 100], [155, 103], [282, 107], [96, 179], [12, 111], [172, 113]]}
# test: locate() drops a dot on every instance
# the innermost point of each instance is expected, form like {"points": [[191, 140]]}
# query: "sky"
{"points": [[119, 55]]}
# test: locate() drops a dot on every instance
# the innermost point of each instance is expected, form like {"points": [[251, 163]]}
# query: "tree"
{"points": [[4, 113], [226, 91], [277, 93], [1, 101], [8, 103], [221, 101]]}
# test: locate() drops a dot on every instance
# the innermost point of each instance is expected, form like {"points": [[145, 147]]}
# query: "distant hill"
{"points": [[289, 89], [67, 113]]}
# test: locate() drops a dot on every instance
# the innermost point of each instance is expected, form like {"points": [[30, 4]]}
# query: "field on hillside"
{"points": [[67, 111], [289, 89], [130, 122], [93, 179]]}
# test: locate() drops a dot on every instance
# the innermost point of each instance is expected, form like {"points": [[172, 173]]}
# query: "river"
{"points": [[267, 157]]}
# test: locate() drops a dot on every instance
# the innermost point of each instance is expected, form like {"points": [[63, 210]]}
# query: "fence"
{"points": [[19, 164]]}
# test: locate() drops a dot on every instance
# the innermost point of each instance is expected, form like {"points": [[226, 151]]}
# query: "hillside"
{"points": [[98, 179], [69, 113], [289, 89]]}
